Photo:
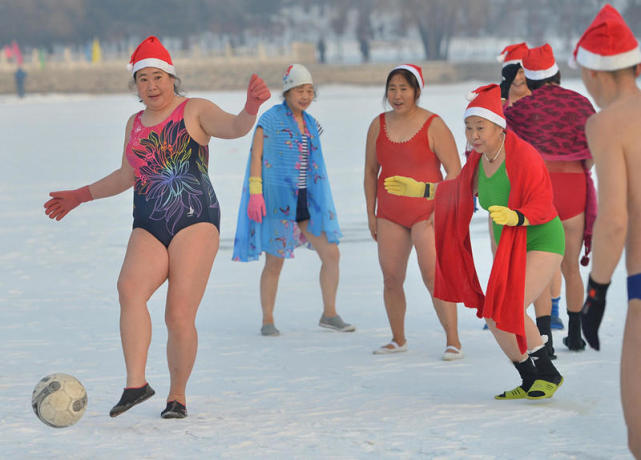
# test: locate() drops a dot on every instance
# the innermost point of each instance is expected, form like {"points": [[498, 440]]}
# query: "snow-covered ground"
{"points": [[309, 393]]}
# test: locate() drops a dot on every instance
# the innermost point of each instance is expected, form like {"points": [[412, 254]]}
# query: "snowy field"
{"points": [[309, 393]]}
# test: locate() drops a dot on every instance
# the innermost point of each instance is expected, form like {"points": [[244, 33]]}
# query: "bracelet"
{"points": [[426, 194], [521, 218]]}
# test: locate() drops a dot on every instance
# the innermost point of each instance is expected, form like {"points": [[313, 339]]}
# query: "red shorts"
{"points": [[570, 191]]}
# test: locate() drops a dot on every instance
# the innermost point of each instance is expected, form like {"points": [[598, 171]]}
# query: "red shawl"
{"points": [[456, 278], [553, 119]]}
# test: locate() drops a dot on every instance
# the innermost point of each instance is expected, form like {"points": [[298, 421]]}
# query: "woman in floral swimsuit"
{"points": [[175, 232]]}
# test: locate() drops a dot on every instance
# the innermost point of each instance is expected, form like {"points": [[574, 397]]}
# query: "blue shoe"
{"points": [[485, 328], [556, 323]]}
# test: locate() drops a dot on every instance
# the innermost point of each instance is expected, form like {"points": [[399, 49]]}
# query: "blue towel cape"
{"points": [[278, 234]]}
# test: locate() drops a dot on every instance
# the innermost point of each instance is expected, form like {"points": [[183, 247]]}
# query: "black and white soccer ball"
{"points": [[59, 400]]}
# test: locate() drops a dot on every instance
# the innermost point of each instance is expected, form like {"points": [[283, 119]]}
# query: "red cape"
{"points": [[456, 278]]}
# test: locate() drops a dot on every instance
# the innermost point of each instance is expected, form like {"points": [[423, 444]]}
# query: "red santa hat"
{"points": [[151, 53], [414, 70], [539, 63], [513, 54], [607, 44], [485, 102]]}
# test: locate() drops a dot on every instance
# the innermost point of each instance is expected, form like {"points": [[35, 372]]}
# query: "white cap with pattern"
{"points": [[296, 75]]}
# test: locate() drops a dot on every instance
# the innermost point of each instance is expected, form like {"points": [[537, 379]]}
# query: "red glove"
{"points": [[65, 200], [257, 93], [256, 207]]}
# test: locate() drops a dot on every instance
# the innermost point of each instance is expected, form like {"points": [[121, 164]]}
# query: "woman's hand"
{"points": [[371, 223], [257, 93], [506, 216], [256, 207], [65, 200], [406, 186]]}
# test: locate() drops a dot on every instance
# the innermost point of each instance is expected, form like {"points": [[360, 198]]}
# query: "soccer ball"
{"points": [[59, 400]]}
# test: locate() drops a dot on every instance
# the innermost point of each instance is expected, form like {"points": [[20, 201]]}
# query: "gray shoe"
{"points": [[336, 323], [269, 330]]}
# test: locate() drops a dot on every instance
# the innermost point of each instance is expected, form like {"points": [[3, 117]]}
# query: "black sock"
{"points": [[543, 324], [528, 373], [574, 341], [544, 367], [574, 324]]}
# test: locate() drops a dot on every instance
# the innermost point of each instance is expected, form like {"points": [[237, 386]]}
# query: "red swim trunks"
{"points": [[412, 158]]}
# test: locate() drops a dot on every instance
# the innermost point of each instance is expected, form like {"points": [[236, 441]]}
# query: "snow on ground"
{"points": [[309, 393]]}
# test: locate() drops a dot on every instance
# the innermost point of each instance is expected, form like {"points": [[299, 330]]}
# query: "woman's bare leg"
{"points": [[394, 247], [555, 287], [539, 270], [191, 256], [422, 234], [570, 266], [269, 286], [329, 272], [144, 269]]}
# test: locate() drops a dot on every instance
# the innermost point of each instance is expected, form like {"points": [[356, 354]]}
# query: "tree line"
{"points": [[43, 23]]}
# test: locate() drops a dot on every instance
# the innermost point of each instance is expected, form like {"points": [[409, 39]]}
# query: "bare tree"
{"points": [[364, 32], [435, 20], [339, 22]]}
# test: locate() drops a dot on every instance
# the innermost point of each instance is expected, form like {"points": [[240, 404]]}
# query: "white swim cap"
{"points": [[296, 75]]}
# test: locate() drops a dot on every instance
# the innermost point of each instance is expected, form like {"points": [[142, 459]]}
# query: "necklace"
{"points": [[498, 152]]}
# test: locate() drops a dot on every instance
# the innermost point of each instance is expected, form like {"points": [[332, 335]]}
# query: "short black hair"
{"points": [[508, 74], [536, 84]]}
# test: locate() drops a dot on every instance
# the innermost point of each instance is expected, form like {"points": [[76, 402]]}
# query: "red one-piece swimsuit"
{"points": [[412, 158]]}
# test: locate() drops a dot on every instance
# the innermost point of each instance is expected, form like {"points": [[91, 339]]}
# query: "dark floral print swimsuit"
{"points": [[172, 189]]}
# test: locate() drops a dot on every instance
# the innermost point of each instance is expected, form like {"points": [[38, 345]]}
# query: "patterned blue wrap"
{"points": [[279, 234]]}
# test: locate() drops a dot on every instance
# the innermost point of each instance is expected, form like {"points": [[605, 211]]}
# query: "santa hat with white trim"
{"points": [[539, 63], [607, 44], [485, 102], [513, 54], [151, 53], [414, 70]]}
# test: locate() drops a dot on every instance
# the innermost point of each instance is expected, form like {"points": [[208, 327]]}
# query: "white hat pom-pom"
{"points": [[501, 57], [471, 96]]}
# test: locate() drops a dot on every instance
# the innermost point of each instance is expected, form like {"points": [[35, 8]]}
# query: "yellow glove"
{"points": [[506, 216], [255, 185], [406, 186]]}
